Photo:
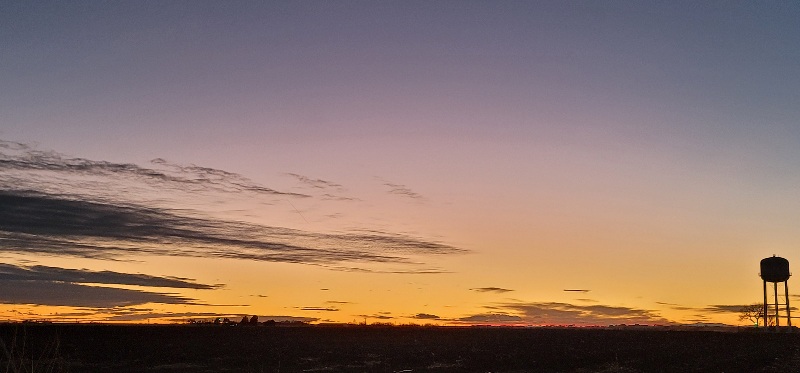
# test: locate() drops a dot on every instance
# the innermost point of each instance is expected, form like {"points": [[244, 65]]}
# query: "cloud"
{"points": [[724, 308], [52, 286], [728, 308], [51, 293], [326, 309], [315, 183], [58, 205], [491, 318], [136, 315], [331, 197], [33, 222], [679, 307], [555, 313], [425, 316], [283, 318], [27, 166], [491, 290], [53, 274], [376, 316], [577, 290], [382, 271], [140, 314], [402, 190], [157, 315]]}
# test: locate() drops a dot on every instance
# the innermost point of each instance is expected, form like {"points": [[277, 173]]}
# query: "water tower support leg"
{"points": [[775, 288], [788, 309], [765, 314]]}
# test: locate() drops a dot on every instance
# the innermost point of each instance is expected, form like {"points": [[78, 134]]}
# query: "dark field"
{"points": [[208, 348]]}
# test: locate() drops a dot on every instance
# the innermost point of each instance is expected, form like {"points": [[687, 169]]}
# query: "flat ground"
{"points": [[210, 348]]}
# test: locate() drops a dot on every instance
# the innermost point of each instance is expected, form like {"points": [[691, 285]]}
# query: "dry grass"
{"points": [[19, 357]]}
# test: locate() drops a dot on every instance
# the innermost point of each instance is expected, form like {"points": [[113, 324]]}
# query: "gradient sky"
{"points": [[449, 162]]}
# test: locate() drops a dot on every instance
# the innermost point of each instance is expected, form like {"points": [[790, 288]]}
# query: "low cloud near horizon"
{"points": [[51, 286], [556, 313]]}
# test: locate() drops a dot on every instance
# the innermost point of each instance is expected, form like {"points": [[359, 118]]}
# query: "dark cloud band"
{"points": [[54, 274], [39, 223], [51, 293]]}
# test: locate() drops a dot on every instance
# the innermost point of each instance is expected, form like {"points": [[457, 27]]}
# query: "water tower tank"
{"points": [[775, 269]]}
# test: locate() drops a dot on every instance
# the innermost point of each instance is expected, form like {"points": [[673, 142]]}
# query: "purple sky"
{"points": [[657, 139]]}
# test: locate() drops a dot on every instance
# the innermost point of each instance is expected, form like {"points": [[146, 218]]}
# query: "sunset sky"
{"points": [[445, 162]]}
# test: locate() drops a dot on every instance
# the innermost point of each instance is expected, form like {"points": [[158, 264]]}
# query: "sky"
{"points": [[428, 162]]}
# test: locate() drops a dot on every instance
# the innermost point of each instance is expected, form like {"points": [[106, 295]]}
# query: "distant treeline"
{"points": [[246, 321]]}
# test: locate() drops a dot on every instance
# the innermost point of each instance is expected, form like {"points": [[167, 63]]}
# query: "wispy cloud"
{"points": [[126, 314], [577, 290], [491, 318], [679, 307], [326, 309], [376, 316], [315, 183], [491, 289], [141, 316], [331, 197], [329, 190], [555, 313], [57, 205], [27, 166], [726, 308], [402, 190]]}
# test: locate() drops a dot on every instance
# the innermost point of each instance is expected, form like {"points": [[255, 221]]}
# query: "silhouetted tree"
{"points": [[254, 320], [755, 313], [244, 321]]}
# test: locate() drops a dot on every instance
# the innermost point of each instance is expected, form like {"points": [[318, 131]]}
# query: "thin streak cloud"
{"points": [[325, 309], [315, 183], [402, 190], [491, 289]]}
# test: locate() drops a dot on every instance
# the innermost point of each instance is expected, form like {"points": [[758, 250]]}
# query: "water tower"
{"points": [[776, 269]]}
